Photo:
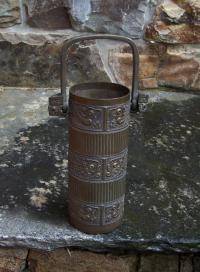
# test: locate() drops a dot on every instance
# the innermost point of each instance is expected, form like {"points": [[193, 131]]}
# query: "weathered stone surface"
{"points": [[180, 67], [9, 13], [116, 17], [34, 36], [98, 61], [162, 192], [48, 14], [35, 7], [192, 10], [39, 66], [186, 262], [159, 263], [57, 18], [148, 83], [120, 63], [175, 22], [178, 11], [62, 260], [12, 260], [171, 12], [176, 66], [168, 33]]}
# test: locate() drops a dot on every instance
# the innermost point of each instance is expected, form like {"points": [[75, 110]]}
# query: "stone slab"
{"points": [[162, 199]]}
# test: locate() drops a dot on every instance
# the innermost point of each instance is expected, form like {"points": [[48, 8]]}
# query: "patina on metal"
{"points": [[98, 144], [98, 139]]}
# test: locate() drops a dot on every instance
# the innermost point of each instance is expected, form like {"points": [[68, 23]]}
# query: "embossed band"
{"points": [[99, 118], [90, 168], [99, 215]]}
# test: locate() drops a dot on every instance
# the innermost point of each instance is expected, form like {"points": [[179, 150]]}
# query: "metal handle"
{"points": [[67, 45]]}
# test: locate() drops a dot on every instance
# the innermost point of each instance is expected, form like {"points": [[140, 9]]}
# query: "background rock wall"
{"points": [[9, 13], [167, 33]]}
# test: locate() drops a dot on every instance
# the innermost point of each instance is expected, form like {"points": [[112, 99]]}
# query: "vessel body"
{"points": [[98, 148]]}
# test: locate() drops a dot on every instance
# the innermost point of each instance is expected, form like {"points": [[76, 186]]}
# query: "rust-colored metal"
{"points": [[98, 144], [98, 138]]}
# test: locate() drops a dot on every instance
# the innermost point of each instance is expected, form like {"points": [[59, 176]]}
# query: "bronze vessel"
{"points": [[98, 146]]}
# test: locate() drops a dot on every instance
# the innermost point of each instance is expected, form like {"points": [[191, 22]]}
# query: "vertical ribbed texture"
{"points": [[96, 192], [96, 143]]}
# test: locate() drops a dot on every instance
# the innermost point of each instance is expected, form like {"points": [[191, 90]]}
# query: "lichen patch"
{"points": [[38, 200], [38, 197]]}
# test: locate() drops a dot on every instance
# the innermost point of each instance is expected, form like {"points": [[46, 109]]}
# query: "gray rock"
{"points": [[39, 66], [180, 67], [178, 11], [57, 18], [40, 6], [35, 36], [110, 60], [48, 14], [175, 22], [9, 13], [160, 65], [116, 17]]}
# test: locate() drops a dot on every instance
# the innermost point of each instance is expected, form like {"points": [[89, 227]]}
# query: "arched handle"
{"points": [[135, 70]]}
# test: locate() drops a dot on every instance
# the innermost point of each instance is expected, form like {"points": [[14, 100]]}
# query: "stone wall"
{"points": [[64, 259], [116, 16], [166, 32], [177, 24]]}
